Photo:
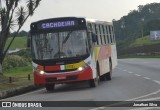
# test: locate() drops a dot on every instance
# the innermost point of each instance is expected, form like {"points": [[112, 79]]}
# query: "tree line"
{"points": [[20, 34], [138, 23]]}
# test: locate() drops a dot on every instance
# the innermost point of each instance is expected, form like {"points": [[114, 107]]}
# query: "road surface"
{"points": [[133, 79]]}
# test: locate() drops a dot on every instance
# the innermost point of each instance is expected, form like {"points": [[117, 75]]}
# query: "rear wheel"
{"points": [[50, 87], [94, 82], [109, 74]]}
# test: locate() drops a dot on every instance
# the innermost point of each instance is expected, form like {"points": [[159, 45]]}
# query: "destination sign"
{"points": [[59, 24]]}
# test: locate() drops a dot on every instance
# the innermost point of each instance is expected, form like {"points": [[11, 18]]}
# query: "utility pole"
{"points": [[122, 27], [142, 31]]}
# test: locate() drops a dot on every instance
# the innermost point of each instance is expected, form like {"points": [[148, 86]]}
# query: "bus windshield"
{"points": [[59, 45]]}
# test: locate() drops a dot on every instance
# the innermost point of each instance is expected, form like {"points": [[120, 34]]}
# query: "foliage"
{"points": [[145, 18], [21, 34], [26, 53], [12, 61], [13, 14]]}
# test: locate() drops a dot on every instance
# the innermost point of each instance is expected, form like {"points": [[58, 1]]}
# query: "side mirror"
{"points": [[94, 38]]}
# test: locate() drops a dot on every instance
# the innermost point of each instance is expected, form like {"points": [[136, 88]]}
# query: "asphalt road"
{"points": [[133, 80]]}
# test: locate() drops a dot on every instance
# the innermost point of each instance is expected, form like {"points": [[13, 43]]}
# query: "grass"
{"points": [[18, 71], [19, 75], [143, 41], [19, 42]]}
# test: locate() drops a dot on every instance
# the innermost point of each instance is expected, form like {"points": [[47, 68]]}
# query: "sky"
{"points": [[98, 9]]}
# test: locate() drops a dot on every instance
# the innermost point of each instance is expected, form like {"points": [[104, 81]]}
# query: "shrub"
{"points": [[14, 61], [26, 53]]}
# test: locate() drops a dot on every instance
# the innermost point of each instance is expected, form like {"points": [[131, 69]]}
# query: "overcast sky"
{"points": [[98, 9]]}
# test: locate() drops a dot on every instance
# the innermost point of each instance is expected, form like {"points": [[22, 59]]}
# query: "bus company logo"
{"points": [[57, 24], [6, 104]]}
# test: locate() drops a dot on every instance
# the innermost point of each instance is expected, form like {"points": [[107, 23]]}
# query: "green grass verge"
{"points": [[19, 42], [143, 41], [19, 75]]}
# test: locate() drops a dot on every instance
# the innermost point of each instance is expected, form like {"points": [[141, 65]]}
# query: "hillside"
{"points": [[139, 46], [143, 41]]}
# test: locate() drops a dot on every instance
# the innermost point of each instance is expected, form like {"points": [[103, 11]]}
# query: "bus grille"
{"points": [[59, 71]]}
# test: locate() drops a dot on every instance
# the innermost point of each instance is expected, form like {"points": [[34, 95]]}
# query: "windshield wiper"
{"points": [[65, 40], [68, 35]]}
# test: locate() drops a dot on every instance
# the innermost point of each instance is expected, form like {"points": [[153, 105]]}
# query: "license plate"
{"points": [[61, 78]]}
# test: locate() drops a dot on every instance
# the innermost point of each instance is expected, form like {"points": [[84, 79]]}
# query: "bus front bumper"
{"points": [[60, 78]]}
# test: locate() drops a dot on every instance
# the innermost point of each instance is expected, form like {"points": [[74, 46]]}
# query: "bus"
{"points": [[72, 49]]}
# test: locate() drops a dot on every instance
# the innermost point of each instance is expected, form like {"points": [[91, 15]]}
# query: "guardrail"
{"points": [[11, 79]]}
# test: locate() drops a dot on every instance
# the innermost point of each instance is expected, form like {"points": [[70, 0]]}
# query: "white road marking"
{"points": [[130, 72], [146, 78], [98, 108], [136, 99], [153, 93], [150, 99], [137, 74], [156, 81]]}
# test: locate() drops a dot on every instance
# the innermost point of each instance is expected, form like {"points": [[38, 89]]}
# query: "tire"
{"points": [[94, 82], [103, 77], [50, 87], [109, 74]]}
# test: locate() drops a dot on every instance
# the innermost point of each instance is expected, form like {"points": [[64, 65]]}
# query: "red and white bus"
{"points": [[72, 49]]}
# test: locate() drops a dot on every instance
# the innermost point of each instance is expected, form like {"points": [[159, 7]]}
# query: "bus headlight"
{"points": [[83, 67], [39, 71], [80, 68]]}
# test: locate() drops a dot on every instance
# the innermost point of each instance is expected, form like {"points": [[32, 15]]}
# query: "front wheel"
{"points": [[50, 87], [94, 82]]}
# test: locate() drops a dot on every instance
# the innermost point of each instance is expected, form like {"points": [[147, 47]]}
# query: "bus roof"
{"points": [[97, 21], [87, 19]]}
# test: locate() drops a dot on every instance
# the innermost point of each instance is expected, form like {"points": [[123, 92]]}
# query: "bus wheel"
{"points": [[50, 87], [109, 74], [94, 82]]}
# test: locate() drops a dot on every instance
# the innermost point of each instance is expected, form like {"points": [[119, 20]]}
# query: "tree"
{"points": [[146, 17], [13, 14]]}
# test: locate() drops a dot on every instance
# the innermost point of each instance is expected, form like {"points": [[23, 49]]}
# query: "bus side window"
{"points": [[107, 34], [94, 30], [111, 33], [104, 34], [90, 40], [89, 27], [97, 33], [100, 34]]}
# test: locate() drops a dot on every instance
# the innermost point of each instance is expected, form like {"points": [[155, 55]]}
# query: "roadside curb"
{"points": [[18, 91]]}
